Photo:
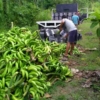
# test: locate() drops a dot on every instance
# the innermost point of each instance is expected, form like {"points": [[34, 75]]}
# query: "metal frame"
{"points": [[49, 24]]}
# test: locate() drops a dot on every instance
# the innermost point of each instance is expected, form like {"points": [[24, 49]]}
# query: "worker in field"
{"points": [[71, 35], [75, 19]]}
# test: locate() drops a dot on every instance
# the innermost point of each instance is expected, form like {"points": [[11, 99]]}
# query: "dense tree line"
{"points": [[26, 12]]}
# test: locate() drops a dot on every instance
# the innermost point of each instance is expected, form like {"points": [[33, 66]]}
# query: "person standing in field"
{"points": [[75, 19], [71, 35]]}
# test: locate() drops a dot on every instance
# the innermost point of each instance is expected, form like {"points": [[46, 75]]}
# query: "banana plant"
{"points": [[95, 20]]}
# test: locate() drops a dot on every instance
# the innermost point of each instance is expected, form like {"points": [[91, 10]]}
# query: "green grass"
{"points": [[90, 60], [72, 91], [88, 41]]}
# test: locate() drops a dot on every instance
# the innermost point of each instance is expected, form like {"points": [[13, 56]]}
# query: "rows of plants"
{"points": [[28, 64]]}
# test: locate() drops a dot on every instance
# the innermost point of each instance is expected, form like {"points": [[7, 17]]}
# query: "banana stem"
{"points": [[52, 74], [7, 97]]}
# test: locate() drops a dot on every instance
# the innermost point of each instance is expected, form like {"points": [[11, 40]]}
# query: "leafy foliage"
{"points": [[95, 20], [25, 14], [44, 15]]}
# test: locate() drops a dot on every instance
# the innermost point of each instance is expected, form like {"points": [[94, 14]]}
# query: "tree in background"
{"points": [[26, 12], [95, 21]]}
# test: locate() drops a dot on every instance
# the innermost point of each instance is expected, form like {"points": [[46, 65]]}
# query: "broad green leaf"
{"points": [[97, 14], [93, 24], [98, 32]]}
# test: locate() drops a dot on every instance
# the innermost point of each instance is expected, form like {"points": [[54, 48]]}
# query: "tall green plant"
{"points": [[95, 20], [44, 15]]}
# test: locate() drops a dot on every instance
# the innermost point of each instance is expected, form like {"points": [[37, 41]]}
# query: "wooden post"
{"points": [[12, 24]]}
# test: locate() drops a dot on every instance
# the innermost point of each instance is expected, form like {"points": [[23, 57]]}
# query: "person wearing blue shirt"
{"points": [[75, 19]]}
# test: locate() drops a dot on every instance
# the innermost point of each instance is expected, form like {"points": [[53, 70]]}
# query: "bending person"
{"points": [[72, 35]]}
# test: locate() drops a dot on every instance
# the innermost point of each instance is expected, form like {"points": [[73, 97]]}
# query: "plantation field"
{"points": [[82, 85], [31, 67]]}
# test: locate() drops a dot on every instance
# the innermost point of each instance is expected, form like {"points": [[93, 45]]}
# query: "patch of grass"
{"points": [[88, 41], [55, 85], [73, 91], [61, 97], [88, 61], [61, 83]]}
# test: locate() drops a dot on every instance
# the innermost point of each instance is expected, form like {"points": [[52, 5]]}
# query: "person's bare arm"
{"points": [[61, 25]]}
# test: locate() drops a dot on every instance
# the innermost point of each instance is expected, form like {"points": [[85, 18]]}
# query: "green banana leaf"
{"points": [[94, 23], [97, 13], [98, 32]]}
